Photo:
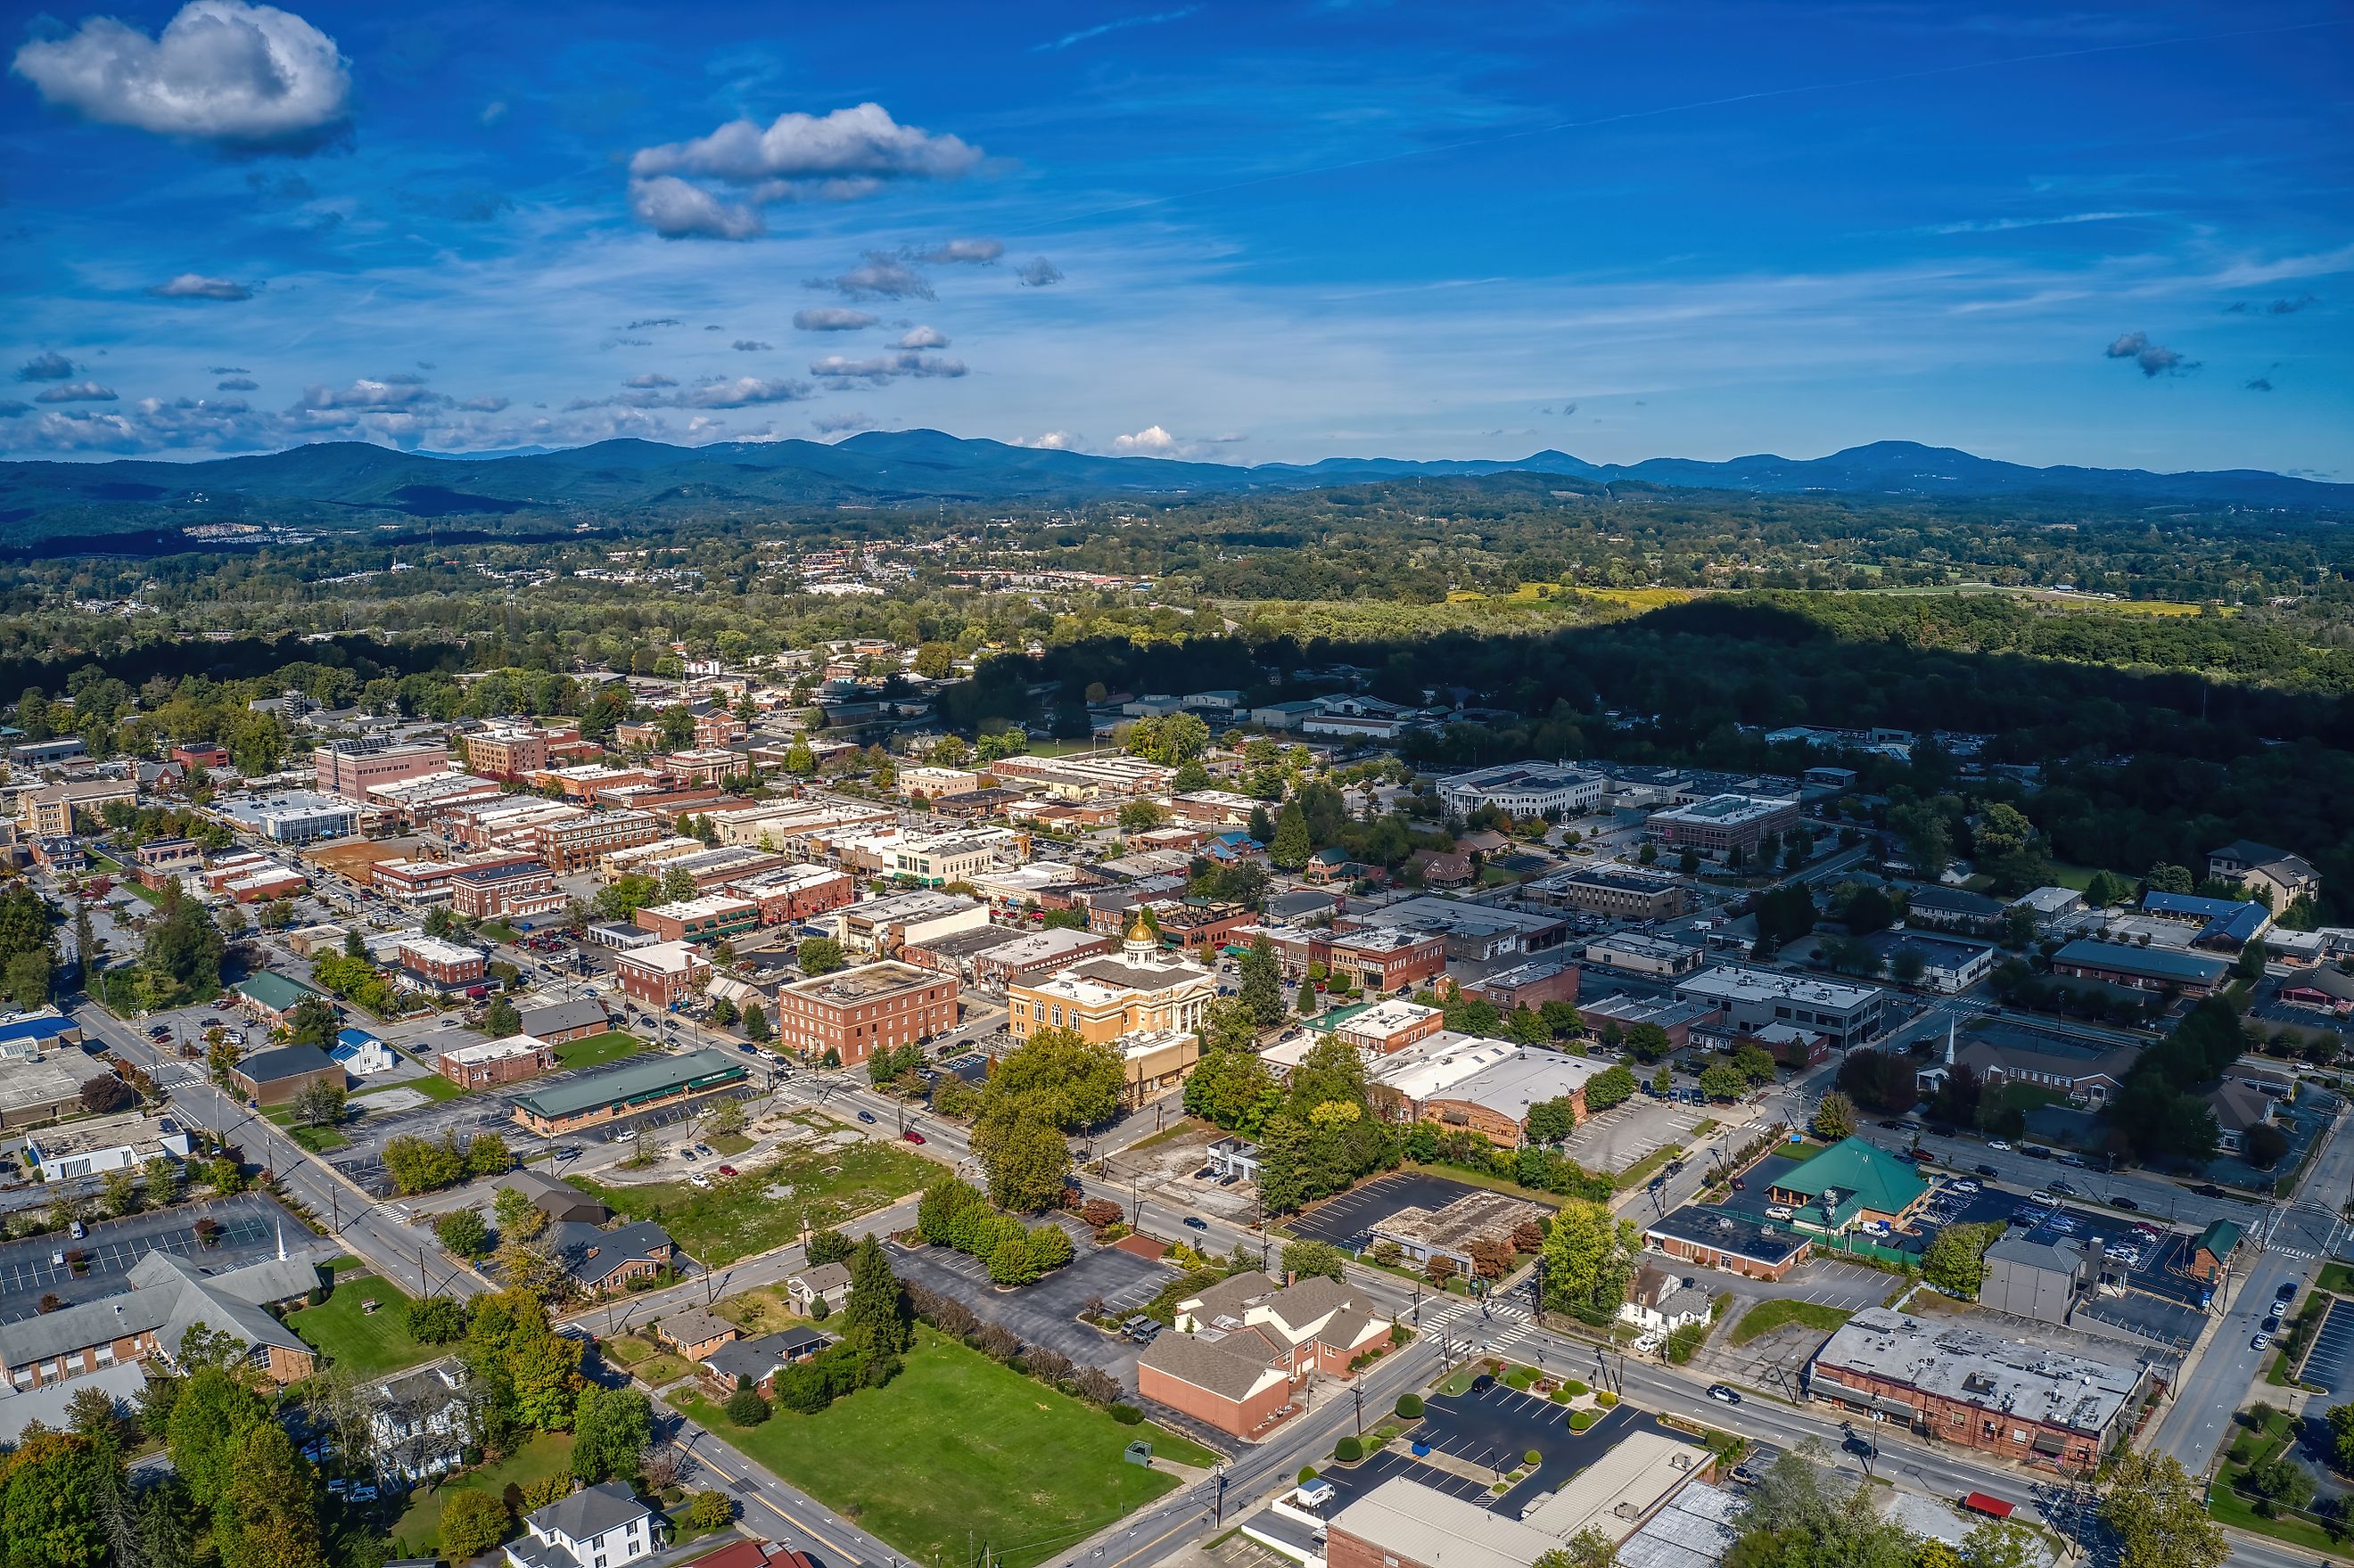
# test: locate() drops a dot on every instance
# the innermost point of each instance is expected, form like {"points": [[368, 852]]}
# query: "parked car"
{"points": [[1723, 1393], [1196, 1223]]}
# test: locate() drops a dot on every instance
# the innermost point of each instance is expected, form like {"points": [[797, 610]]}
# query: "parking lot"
{"points": [[1626, 1134], [250, 1223], [1046, 1313], [2330, 1363], [1347, 1219]]}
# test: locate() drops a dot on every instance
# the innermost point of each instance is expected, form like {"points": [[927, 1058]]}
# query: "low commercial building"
{"points": [[661, 974], [1749, 999], [2141, 969], [1638, 954], [275, 1076], [1722, 825], [167, 1295], [627, 1089], [855, 1014], [1623, 892], [507, 1061], [1978, 1390], [1721, 1239], [1241, 1349]]}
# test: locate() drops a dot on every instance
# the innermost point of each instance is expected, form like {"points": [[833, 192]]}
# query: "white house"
{"points": [[598, 1527], [1661, 1303]]}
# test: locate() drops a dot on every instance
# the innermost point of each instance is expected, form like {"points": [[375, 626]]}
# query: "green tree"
{"points": [[2159, 1515], [609, 1428], [473, 1522]]}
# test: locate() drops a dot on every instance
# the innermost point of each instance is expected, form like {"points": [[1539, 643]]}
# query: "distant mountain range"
{"points": [[351, 484]]}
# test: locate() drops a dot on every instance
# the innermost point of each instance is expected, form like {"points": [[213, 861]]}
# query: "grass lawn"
{"points": [[433, 1087], [957, 1446], [363, 1342], [419, 1531], [1768, 1316], [739, 1217], [597, 1049]]}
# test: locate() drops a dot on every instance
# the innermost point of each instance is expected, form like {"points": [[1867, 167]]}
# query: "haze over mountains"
{"points": [[362, 486]]}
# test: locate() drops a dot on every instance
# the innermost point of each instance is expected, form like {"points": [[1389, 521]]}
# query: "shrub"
{"points": [[1349, 1450], [1127, 1415], [472, 1521], [1410, 1406], [744, 1407]]}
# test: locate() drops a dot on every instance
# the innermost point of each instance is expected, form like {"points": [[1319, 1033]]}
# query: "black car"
{"points": [[1989, 1170], [2127, 1205]]}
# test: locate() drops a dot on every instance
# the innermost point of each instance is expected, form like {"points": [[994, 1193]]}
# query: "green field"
{"points": [[958, 1447], [737, 1217], [418, 1531], [367, 1343], [1768, 1316], [598, 1049]]}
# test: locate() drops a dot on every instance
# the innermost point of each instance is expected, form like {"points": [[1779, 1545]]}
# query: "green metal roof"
{"points": [[275, 991], [1868, 1175], [657, 1078]]}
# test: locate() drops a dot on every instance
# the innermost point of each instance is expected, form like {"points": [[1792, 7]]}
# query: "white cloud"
{"points": [[831, 318], [977, 251], [77, 392], [1052, 442], [922, 337], [677, 210], [841, 156], [197, 286], [743, 392], [884, 368], [1039, 274], [223, 72], [878, 276], [1149, 441]]}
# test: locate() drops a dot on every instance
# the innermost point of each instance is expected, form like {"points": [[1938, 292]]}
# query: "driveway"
{"points": [[1046, 1313]]}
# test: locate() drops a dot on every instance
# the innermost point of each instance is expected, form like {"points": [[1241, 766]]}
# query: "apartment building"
{"points": [[856, 1012], [351, 767]]}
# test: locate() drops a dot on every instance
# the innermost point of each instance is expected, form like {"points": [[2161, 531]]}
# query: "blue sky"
{"points": [[2116, 235]]}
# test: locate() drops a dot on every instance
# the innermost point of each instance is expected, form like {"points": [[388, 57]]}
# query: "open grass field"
{"points": [[1783, 1311], [596, 1050], [1001, 1460], [764, 1208], [419, 1532], [367, 1343]]}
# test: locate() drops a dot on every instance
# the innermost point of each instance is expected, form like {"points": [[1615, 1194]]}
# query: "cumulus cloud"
{"points": [[2155, 359], [1052, 442], [650, 379], [677, 210], [840, 424], [977, 251], [47, 366], [742, 392], [752, 345], [879, 276], [1038, 274], [1149, 441], [197, 286], [237, 384], [922, 337], [242, 77], [831, 318], [840, 156], [79, 392], [886, 367]]}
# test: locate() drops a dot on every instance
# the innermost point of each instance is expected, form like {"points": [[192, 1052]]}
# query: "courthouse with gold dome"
{"points": [[1142, 1000]]}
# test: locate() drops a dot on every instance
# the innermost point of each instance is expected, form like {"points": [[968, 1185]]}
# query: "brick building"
{"points": [[854, 1013], [1977, 1390]]}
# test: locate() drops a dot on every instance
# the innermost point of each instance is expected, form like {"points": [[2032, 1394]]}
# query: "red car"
{"points": [[912, 1136]]}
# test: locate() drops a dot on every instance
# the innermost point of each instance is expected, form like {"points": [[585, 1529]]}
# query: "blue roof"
{"points": [[40, 1026]]}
